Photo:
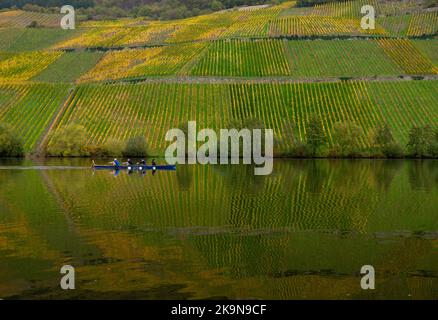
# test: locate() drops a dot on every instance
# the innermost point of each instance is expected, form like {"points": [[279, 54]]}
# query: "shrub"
{"points": [[135, 147], [347, 136], [33, 24], [384, 141], [420, 140], [433, 147], [299, 150], [10, 144], [393, 150], [383, 135], [113, 147], [316, 138], [69, 140]]}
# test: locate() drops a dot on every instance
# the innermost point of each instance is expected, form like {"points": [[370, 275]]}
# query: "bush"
{"points": [[420, 140], [316, 138], [393, 150], [299, 150], [10, 144], [113, 147], [135, 147], [433, 149], [68, 141], [347, 137], [33, 24]]}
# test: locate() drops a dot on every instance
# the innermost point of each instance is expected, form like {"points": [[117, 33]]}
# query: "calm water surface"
{"points": [[219, 231]]}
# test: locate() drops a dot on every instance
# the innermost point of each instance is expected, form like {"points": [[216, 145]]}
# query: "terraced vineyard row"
{"points": [[248, 23], [26, 65], [21, 19], [307, 59], [306, 26], [133, 63], [244, 58], [126, 110], [407, 56], [347, 9], [29, 108], [423, 24], [250, 58], [337, 58]]}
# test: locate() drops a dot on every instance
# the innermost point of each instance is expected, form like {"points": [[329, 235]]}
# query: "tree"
{"points": [[347, 137], [136, 147], [433, 148], [113, 147], [69, 140], [216, 5], [10, 144], [316, 137], [383, 135], [384, 140], [420, 139]]}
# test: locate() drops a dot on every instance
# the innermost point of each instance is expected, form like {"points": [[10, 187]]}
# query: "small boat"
{"points": [[137, 167]]}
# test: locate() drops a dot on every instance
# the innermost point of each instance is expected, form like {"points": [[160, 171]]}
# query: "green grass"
{"points": [[39, 38], [69, 67], [30, 108], [125, 110]]}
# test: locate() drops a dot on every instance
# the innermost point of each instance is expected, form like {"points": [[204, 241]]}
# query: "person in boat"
{"points": [[142, 162], [129, 162], [153, 162], [115, 163]]}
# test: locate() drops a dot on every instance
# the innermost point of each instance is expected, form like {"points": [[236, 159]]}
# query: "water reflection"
{"points": [[220, 231]]}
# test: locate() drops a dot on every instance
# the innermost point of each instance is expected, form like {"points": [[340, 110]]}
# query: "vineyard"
{"points": [[277, 63], [341, 58], [29, 108], [24, 66], [21, 19], [408, 57], [125, 110], [69, 67], [308, 26], [133, 63], [244, 58], [423, 24], [346, 9]]}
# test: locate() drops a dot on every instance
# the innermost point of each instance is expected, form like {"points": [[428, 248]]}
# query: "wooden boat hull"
{"points": [[137, 167]]}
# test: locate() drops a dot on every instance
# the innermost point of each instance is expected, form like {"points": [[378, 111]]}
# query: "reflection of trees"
{"points": [[383, 172], [423, 174], [317, 172], [184, 177]]}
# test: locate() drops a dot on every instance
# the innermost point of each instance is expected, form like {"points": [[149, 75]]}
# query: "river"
{"points": [[303, 232]]}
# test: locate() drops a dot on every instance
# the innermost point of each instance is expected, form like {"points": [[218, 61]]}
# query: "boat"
{"points": [[137, 167]]}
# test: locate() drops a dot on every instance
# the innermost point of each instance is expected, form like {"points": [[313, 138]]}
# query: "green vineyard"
{"points": [[123, 111], [244, 58], [29, 108]]}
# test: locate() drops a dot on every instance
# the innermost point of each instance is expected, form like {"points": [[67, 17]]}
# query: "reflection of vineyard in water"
{"points": [[207, 231], [301, 196]]}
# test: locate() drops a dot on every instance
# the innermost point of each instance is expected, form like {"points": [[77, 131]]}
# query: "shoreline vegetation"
{"points": [[68, 142]]}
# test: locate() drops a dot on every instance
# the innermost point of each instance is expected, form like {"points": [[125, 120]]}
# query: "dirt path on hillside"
{"points": [[279, 79]]}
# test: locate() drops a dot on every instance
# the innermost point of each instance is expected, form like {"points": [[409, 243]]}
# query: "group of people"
{"points": [[129, 162]]}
